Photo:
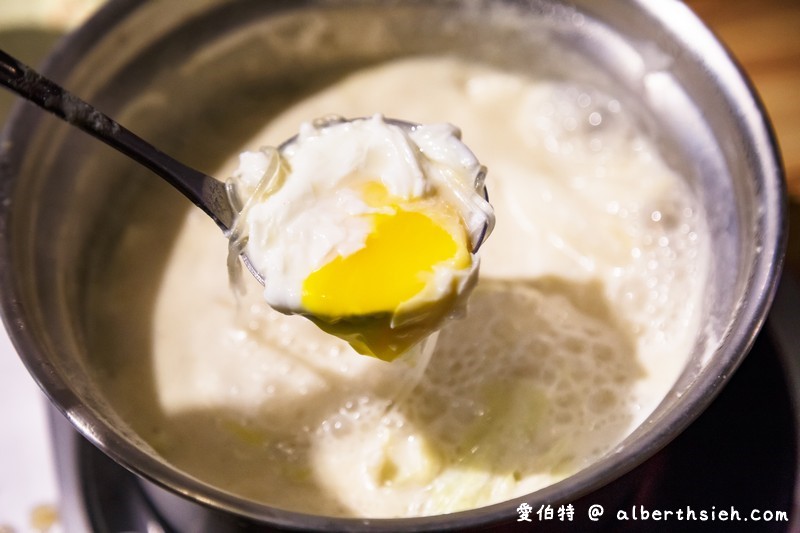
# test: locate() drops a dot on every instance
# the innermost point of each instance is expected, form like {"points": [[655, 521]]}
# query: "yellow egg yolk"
{"points": [[356, 296]]}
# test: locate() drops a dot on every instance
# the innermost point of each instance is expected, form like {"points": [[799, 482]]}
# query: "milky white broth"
{"points": [[586, 310]]}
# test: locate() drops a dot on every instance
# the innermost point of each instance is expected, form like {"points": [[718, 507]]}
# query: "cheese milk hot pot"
{"points": [[640, 232]]}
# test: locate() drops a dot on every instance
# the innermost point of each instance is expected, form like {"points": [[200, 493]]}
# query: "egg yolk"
{"points": [[356, 296]]}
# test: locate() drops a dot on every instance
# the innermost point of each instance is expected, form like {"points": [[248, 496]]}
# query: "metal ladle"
{"points": [[206, 192]]}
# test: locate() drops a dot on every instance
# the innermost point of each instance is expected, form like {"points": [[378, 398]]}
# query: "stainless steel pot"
{"points": [[169, 70]]}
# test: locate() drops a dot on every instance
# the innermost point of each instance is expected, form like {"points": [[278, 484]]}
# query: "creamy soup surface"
{"points": [[587, 306]]}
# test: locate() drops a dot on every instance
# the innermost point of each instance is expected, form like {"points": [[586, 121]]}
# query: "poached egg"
{"points": [[368, 227]]}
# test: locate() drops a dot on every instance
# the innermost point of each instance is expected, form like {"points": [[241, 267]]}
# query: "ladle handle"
{"points": [[204, 191]]}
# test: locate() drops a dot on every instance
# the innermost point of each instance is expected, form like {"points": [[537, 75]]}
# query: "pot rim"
{"points": [[751, 314]]}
